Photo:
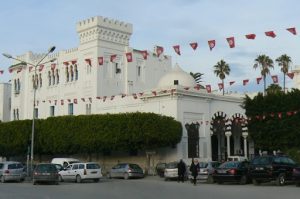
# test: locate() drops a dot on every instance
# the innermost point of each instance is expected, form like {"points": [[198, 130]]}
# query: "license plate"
{"points": [[45, 174], [93, 172], [221, 171]]}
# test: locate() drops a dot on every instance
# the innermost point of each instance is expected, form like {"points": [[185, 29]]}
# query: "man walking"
{"points": [[181, 170], [194, 169]]}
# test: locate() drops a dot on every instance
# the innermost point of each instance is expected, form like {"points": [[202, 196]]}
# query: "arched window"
{"points": [[71, 72], [36, 81], [76, 72], [41, 81], [33, 82], [53, 77], [18, 85], [57, 76], [15, 85], [49, 78], [67, 74]]}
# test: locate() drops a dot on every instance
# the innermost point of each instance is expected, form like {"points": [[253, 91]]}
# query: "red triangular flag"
{"points": [[245, 81], [232, 82], [275, 79], [194, 45], [221, 86], [177, 49], [144, 54], [100, 60], [231, 42], [270, 34], [250, 36], [258, 79], [292, 30], [112, 58], [208, 88], [159, 50], [10, 70], [290, 75], [129, 56], [211, 44]]}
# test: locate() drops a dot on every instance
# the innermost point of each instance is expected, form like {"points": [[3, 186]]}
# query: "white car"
{"points": [[81, 171]]}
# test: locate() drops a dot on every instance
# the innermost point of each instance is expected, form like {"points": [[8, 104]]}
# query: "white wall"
{"points": [[5, 100]]}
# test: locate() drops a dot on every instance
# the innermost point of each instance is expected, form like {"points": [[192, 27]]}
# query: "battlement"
{"points": [[104, 29]]}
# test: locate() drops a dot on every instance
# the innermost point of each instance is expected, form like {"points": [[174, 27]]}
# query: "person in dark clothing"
{"points": [[194, 169], [181, 171]]}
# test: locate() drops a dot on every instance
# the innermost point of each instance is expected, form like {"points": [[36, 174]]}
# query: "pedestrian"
{"points": [[181, 170], [194, 169]]}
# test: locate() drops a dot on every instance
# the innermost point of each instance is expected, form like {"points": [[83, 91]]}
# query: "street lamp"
{"points": [[50, 50]]}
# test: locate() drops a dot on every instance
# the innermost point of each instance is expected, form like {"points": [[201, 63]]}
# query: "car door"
{"points": [[113, 171], [66, 173], [74, 172]]}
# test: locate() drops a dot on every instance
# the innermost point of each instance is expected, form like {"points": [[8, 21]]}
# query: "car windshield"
{"points": [[93, 166], [172, 165], [203, 164], [262, 160], [45, 168], [134, 166], [229, 165]]}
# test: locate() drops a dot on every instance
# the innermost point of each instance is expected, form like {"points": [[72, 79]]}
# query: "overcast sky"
{"points": [[34, 25]]}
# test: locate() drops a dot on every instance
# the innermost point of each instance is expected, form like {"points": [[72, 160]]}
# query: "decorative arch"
{"points": [[193, 139], [238, 124]]}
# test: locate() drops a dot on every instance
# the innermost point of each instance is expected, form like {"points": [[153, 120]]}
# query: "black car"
{"points": [[296, 175], [160, 169], [232, 171], [45, 172], [278, 168]]}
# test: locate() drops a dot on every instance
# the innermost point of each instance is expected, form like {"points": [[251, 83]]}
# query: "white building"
{"points": [[5, 102], [78, 83]]}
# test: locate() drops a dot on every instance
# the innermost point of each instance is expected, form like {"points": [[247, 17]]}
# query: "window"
{"points": [[17, 114], [36, 113], [118, 70], [71, 72], [70, 109], [57, 77], [41, 82], [88, 109], [81, 166], [36, 81], [53, 77], [49, 78], [14, 114], [75, 167], [76, 72], [52, 111], [67, 74], [139, 71], [18, 85]]}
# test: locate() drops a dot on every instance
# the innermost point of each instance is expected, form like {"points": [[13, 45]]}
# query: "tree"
{"points": [[265, 63], [221, 69], [273, 89], [284, 61], [198, 78]]}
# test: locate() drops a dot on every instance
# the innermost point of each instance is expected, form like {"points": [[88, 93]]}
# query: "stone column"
{"points": [[228, 134], [245, 135]]}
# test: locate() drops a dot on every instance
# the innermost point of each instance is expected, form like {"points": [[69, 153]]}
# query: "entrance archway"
{"points": [[193, 139]]}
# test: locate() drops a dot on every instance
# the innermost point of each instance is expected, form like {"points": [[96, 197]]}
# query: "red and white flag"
{"points": [[292, 30], [144, 54], [75, 101], [208, 88], [245, 81], [129, 56], [88, 61], [159, 50], [194, 45], [250, 36], [221, 86], [66, 63], [177, 49], [290, 75], [10, 70], [258, 79], [275, 79], [211, 44], [113, 58], [53, 66], [232, 82], [270, 34], [100, 61], [231, 42]]}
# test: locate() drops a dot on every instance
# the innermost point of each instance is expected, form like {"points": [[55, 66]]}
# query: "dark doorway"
{"points": [[193, 139]]}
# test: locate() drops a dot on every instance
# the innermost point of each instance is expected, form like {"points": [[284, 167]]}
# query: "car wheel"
{"points": [[210, 179], [126, 176], [60, 179], [2, 179], [96, 180], [255, 182], [78, 179], [280, 181], [243, 180]]}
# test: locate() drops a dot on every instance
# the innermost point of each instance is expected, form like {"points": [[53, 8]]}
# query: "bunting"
{"points": [[159, 50], [208, 88], [177, 49], [290, 75], [231, 42], [100, 61], [258, 80], [221, 86], [270, 34], [275, 79], [53, 66], [245, 82], [129, 56], [232, 82], [113, 58], [144, 54], [292, 30], [211, 44], [250, 36], [194, 45]]}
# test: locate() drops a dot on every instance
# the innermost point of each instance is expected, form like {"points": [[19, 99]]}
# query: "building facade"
{"points": [[5, 102], [104, 75]]}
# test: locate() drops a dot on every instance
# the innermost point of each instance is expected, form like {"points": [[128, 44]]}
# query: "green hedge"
{"points": [[90, 134]]}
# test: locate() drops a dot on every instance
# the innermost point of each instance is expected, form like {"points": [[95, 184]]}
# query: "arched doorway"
{"points": [[193, 139], [237, 142]]}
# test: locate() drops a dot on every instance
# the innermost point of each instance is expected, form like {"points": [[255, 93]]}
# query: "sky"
{"points": [[35, 25]]}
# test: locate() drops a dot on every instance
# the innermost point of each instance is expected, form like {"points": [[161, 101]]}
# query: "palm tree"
{"points": [[265, 63], [198, 78], [221, 70], [284, 61]]}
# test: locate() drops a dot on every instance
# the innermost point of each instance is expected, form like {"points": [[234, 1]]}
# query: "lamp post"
{"points": [[50, 50]]}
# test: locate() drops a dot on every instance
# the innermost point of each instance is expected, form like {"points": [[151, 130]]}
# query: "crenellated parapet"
{"points": [[100, 28]]}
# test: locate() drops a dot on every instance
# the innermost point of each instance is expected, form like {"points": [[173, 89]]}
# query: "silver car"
{"points": [[126, 171], [11, 171], [206, 171]]}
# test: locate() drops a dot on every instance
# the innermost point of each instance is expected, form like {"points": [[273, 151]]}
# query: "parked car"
{"points": [[65, 162], [296, 175], [160, 169], [206, 170], [45, 172], [81, 171], [268, 168], [237, 158], [11, 171], [232, 171], [171, 171], [126, 171]]}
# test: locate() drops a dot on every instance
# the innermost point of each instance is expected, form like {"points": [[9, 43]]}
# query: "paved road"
{"points": [[148, 188]]}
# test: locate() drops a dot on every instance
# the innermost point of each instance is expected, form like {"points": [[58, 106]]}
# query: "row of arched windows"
{"points": [[37, 80], [71, 73], [53, 77]]}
